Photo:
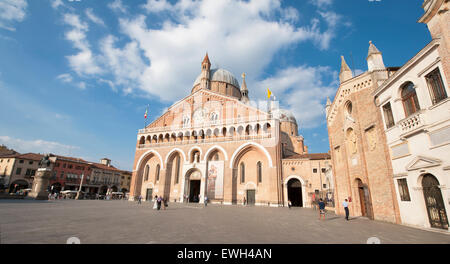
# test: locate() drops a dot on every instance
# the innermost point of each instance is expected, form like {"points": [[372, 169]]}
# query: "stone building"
{"points": [[360, 156], [217, 143], [415, 107], [68, 172], [18, 170], [104, 177]]}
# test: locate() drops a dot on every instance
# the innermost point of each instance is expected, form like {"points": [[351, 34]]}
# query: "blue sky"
{"points": [[76, 76]]}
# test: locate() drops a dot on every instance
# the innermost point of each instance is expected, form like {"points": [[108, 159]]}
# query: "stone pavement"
{"points": [[99, 221]]}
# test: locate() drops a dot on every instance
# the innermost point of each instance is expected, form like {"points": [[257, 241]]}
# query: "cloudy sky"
{"points": [[76, 75]]}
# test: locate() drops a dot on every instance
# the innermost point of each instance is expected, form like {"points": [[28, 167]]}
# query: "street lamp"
{"points": [[79, 189]]}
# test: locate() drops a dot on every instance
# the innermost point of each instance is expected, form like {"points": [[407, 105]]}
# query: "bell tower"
{"points": [[206, 69], [244, 91]]}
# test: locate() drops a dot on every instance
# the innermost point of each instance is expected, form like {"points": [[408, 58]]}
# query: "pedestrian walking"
{"points": [[321, 209], [244, 201], [159, 200], [206, 201], [139, 199], [289, 204], [345, 204]]}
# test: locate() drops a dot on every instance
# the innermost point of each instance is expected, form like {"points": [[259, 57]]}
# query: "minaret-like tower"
{"points": [[327, 107], [345, 73], [374, 58], [244, 91], [206, 68]]}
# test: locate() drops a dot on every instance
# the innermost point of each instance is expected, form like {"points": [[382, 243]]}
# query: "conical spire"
{"points": [[345, 73], [206, 59], [374, 58], [372, 49], [244, 90], [344, 66]]}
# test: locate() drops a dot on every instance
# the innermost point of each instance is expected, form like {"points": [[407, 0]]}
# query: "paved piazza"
{"points": [[99, 221]]}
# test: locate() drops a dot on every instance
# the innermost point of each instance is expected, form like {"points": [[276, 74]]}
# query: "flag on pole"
{"points": [[269, 93], [146, 111]]}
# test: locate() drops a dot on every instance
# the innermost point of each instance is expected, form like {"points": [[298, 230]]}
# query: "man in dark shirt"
{"points": [[321, 209]]}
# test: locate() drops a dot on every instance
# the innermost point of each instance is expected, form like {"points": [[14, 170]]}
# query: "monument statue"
{"points": [[45, 162]]}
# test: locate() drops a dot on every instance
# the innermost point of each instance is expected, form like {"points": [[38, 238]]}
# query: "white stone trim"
{"points": [[213, 148], [173, 150], [236, 152], [138, 165]]}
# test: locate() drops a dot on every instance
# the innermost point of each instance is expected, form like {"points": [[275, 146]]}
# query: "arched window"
{"points": [[409, 98], [147, 168], [186, 121], [157, 172], [177, 172], [242, 172], [213, 118], [259, 171]]}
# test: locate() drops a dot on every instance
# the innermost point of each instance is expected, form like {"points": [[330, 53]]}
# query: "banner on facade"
{"points": [[215, 180]]}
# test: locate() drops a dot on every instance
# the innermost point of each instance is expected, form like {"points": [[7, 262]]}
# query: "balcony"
{"points": [[207, 140], [209, 124], [412, 124]]}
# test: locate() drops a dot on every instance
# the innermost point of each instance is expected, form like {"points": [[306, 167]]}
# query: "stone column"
{"points": [[40, 184]]}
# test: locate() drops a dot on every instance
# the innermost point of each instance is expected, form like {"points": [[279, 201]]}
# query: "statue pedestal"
{"points": [[40, 184]]}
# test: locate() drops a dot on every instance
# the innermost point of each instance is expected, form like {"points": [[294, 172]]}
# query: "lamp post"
{"points": [[79, 189]]}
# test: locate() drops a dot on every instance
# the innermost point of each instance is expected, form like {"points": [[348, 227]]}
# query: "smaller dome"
{"points": [[284, 115], [220, 75]]}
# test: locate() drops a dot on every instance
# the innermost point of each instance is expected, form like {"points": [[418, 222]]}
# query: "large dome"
{"points": [[284, 115], [220, 75]]}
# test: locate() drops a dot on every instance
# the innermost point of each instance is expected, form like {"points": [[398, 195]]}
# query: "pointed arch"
{"points": [[175, 150], [148, 152], [214, 148], [263, 149]]}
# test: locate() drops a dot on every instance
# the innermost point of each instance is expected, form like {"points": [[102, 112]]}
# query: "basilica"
{"points": [[219, 144]]}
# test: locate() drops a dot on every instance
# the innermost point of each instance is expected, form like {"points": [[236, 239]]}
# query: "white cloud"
{"points": [[321, 3], [117, 6], [90, 14], [126, 64], [84, 62], [302, 91], [12, 11], [37, 146], [65, 77], [239, 36], [57, 3]]}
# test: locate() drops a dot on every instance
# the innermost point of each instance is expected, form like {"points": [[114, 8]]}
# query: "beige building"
{"points": [[18, 170], [217, 143], [415, 107]]}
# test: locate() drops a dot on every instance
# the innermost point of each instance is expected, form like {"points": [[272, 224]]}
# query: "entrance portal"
{"points": [[434, 202], [364, 198], [194, 191], [149, 194], [294, 189], [251, 197]]}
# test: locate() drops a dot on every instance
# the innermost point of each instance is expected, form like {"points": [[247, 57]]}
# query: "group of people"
{"points": [[321, 204], [159, 202]]}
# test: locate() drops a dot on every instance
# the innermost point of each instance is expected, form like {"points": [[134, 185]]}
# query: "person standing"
{"points": [[244, 201], [206, 200], [321, 209], [159, 200], [155, 202], [289, 204], [345, 204], [139, 199]]}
